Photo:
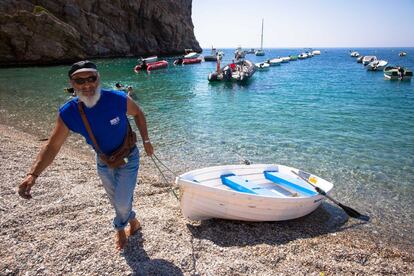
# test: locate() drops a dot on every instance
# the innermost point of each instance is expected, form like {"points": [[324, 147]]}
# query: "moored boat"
{"points": [[402, 54], [262, 65], [189, 53], [157, 65], [258, 192], [151, 66], [240, 71], [212, 56], [316, 52], [260, 52], [397, 73], [368, 59], [148, 59], [293, 58], [285, 59], [377, 65], [303, 56], [354, 54], [275, 61], [184, 61], [359, 59], [239, 53]]}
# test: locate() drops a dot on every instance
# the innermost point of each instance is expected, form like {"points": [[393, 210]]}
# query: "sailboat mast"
{"points": [[261, 41]]}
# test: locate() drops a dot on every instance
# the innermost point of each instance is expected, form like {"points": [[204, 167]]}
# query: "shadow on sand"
{"points": [[325, 219], [141, 264]]}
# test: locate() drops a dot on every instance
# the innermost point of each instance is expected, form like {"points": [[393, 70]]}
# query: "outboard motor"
{"points": [[178, 61], [213, 76], [227, 73]]}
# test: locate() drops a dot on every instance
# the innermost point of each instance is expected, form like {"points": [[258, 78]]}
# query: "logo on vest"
{"points": [[114, 121]]}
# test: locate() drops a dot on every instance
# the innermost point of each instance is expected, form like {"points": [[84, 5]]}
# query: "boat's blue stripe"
{"points": [[233, 185], [283, 182]]}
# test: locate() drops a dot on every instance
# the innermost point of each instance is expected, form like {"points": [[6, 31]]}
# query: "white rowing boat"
{"points": [[259, 192]]}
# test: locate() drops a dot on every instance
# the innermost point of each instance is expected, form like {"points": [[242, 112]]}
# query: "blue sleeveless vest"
{"points": [[107, 119]]}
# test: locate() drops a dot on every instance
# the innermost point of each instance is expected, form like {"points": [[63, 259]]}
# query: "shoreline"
{"points": [[66, 228]]}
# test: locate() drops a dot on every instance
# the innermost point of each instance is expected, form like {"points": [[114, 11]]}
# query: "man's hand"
{"points": [[26, 186], [148, 148]]}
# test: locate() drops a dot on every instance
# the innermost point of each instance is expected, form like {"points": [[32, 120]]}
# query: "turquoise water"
{"points": [[326, 115]]}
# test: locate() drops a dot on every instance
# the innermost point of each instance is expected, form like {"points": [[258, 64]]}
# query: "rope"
{"points": [[245, 161], [168, 169]]}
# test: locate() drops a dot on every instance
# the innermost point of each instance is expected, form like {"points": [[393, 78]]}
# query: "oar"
{"points": [[351, 212]]}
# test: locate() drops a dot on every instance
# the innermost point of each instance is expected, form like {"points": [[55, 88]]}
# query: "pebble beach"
{"points": [[66, 229]]}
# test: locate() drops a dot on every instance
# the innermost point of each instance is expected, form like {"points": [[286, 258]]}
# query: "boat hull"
{"points": [[210, 58], [262, 65], [275, 61], [185, 61], [397, 73], [212, 200], [157, 65]]}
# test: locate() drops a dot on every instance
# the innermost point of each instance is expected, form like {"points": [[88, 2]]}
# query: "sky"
{"points": [[304, 23]]}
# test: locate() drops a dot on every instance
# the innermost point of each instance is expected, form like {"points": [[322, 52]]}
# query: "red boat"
{"points": [[187, 61], [151, 66]]}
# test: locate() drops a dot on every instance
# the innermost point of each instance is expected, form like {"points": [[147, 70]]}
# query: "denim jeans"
{"points": [[119, 185]]}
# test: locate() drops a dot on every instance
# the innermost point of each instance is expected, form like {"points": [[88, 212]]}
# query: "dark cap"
{"points": [[82, 66]]}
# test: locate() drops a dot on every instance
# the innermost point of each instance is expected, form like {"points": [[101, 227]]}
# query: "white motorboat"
{"points": [[285, 59], [316, 52], [212, 56], [258, 192], [303, 56], [275, 61], [191, 55], [368, 59], [397, 73], [262, 65], [355, 54], [148, 59], [377, 65]]}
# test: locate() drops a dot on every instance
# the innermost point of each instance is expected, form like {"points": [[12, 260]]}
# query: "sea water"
{"points": [[326, 115]]}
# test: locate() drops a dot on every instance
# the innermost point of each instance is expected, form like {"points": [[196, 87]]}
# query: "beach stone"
{"points": [[66, 230]]}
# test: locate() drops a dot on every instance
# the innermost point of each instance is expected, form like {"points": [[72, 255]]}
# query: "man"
{"points": [[128, 90], [106, 111], [119, 86]]}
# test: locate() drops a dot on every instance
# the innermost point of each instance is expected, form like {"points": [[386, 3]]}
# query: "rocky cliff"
{"points": [[60, 31]]}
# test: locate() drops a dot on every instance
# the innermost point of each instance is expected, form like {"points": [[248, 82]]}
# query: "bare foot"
{"points": [[120, 240], [134, 226]]}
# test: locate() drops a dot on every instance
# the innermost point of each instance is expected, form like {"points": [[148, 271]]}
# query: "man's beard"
{"points": [[90, 101]]}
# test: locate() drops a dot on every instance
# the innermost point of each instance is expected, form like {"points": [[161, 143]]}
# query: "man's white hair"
{"points": [[92, 100]]}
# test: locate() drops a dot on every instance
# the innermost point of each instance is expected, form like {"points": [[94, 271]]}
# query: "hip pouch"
{"points": [[118, 157]]}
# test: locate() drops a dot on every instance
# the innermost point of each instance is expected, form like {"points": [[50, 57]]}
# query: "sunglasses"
{"points": [[84, 80]]}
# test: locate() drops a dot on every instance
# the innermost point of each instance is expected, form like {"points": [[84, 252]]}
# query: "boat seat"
{"points": [[288, 181], [246, 186]]}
